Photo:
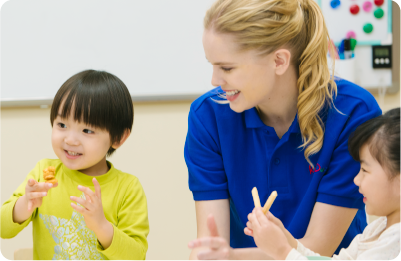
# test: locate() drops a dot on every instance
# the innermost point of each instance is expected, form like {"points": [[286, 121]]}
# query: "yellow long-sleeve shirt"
{"points": [[59, 232]]}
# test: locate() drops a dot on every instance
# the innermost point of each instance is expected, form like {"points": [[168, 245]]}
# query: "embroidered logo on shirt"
{"points": [[74, 240], [317, 169]]}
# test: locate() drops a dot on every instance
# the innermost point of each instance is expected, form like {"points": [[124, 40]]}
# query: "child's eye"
{"points": [[61, 125], [88, 131], [226, 69]]}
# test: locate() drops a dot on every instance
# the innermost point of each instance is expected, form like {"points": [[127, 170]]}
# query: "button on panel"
{"points": [[277, 161]]}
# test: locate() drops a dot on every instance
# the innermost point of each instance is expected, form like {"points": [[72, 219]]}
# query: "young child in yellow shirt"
{"points": [[94, 211]]}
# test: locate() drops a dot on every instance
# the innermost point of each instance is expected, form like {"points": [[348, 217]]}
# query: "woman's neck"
{"points": [[279, 110]]}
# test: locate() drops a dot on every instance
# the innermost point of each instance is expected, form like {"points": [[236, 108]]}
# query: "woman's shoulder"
{"points": [[350, 95]]}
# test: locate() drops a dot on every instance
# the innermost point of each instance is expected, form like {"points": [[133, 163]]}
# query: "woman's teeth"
{"points": [[72, 153], [230, 93]]}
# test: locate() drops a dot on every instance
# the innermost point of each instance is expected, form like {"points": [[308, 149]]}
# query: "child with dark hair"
{"points": [[94, 211], [376, 145]]}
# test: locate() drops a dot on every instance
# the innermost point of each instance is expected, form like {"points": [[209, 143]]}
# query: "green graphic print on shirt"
{"points": [[74, 241]]}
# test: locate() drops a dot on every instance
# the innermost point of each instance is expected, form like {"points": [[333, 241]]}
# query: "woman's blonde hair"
{"points": [[267, 25]]}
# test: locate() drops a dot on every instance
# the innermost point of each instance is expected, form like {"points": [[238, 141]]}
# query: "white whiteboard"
{"points": [[153, 46]]}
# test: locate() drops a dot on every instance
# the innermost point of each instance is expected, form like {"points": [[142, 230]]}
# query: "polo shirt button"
{"points": [[277, 161]]}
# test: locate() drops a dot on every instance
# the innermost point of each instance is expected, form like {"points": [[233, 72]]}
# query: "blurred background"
{"points": [[155, 48]]}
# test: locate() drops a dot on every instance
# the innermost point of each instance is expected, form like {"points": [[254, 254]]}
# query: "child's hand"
{"points": [[34, 192], [268, 236], [92, 208], [248, 230]]}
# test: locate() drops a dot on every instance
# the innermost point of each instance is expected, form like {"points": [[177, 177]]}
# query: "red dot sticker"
{"points": [[379, 2], [351, 34], [354, 9]]}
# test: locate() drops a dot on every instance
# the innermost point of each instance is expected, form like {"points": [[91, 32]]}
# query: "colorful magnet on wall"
{"points": [[379, 2], [367, 6], [354, 9], [379, 13], [368, 28], [335, 3], [351, 34]]}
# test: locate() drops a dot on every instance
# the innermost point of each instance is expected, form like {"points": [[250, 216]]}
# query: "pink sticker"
{"points": [[367, 6], [351, 34]]}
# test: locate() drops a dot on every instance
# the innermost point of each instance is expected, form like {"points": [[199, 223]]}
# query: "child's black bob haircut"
{"points": [[98, 99], [382, 135]]}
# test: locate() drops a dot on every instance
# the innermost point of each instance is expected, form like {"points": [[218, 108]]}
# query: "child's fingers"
{"points": [[79, 209], [254, 220], [249, 224], [40, 187], [29, 205], [98, 191], [87, 191], [248, 232], [260, 216], [32, 182], [33, 195], [82, 202]]}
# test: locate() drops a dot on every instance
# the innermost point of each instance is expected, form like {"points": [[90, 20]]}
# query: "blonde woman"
{"points": [[285, 128]]}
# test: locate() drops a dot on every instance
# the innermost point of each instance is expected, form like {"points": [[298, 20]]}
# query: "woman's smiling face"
{"points": [[247, 78]]}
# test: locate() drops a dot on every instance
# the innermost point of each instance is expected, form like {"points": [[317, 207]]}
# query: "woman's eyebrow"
{"points": [[221, 63], [364, 162]]}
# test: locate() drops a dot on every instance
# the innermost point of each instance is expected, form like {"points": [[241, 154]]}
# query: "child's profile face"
{"points": [[381, 195], [80, 147]]}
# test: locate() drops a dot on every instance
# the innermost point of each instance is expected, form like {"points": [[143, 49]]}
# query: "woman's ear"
{"points": [[282, 59], [125, 136]]}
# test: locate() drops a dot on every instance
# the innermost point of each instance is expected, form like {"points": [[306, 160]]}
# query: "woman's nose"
{"points": [[217, 80]]}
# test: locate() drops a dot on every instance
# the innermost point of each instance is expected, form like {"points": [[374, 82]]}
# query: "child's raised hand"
{"points": [[268, 236], [34, 192], [92, 208]]}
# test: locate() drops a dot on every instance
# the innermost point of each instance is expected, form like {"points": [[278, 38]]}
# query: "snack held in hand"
{"points": [[48, 175]]}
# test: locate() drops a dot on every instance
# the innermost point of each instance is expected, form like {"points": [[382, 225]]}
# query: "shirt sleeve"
{"points": [[9, 228], [207, 177], [129, 238], [337, 186]]}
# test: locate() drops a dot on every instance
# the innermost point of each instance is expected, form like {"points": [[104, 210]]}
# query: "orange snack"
{"points": [[48, 175], [269, 202]]}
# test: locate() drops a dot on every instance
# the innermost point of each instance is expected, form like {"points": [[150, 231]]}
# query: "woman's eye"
{"points": [[88, 131], [61, 125], [226, 69]]}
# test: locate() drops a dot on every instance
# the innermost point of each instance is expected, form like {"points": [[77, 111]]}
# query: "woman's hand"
{"points": [[218, 247], [268, 235], [92, 210]]}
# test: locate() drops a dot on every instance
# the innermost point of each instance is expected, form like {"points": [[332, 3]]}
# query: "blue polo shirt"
{"points": [[229, 153]]}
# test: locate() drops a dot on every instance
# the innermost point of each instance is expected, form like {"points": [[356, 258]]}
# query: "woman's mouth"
{"points": [[232, 95]]}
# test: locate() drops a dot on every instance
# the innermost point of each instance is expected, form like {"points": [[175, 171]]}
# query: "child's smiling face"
{"points": [[79, 146], [381, 194]]}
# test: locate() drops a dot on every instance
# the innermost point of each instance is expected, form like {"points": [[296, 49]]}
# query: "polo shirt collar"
{"points": [[252, 120]]}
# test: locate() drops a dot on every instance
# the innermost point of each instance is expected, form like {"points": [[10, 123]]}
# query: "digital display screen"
{"points": [[381, 52]]}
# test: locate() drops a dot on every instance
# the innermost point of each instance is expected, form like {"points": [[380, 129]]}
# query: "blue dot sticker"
{"points": [[335, 3]]}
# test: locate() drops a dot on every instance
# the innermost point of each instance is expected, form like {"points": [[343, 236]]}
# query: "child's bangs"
{"points": [[78, 103]]}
